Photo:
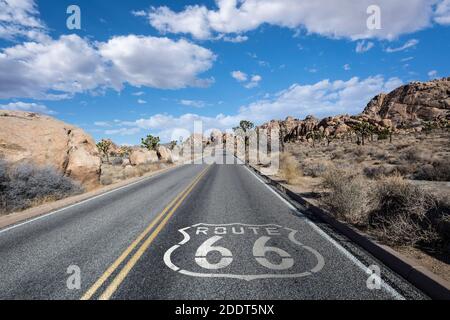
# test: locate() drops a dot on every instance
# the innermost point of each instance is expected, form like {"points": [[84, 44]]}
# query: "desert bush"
{"points": [[416, 154], [403, 214], [381, 155], [26, 184], [315, 169], [117, 161], [438, 171], [289, 168], [375, 172], [360, 152], [347, 196], [337, 155]]}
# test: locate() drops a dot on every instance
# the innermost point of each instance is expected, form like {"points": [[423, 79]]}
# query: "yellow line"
{"points": [[132, 262], [91, 291]]}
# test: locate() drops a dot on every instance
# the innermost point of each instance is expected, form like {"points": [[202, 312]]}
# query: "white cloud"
{"points": [[138, 13], [321, 99], [52, 70], [334, 19], [409, 44], [193, 103], [30, 107], [254, 82], [347, 67], [407, 59], [433, 74], [102, 124], [141, 101], [364, 46], [20, 18], [239, 76], [157, 62], [123, 131], [442, 13], [236, 39], [138, 94], [58, 69]]}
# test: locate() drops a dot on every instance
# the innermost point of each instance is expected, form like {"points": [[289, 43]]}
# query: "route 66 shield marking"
{"points": [[242, 251]]}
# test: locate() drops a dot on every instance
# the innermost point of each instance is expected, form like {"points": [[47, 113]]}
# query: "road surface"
{"points": [[195, 232]]}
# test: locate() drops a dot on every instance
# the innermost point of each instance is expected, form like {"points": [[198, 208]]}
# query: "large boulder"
{"points": [[143, 156], [164, 154], [43, 140]]}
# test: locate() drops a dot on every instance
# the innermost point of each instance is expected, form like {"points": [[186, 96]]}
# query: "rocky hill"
{"points": [[407, 108], [43, 140], [413, 103]]}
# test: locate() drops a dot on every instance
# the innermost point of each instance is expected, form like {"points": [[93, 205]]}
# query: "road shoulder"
{"points": [[410, 269]]}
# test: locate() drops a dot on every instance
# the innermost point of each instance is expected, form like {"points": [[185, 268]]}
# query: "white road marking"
{"points": [[344, 251], [81, 202], [249, 277]]}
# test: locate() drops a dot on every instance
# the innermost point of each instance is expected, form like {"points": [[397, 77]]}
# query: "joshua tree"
{"points": [[244, 127], [384, 134], [364, 129], [124, 151], [150, 142], [315, 135], [172, 145], [429, 126], [104, 146]]}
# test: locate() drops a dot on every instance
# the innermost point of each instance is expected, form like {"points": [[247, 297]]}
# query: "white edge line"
{"points": [[344, 251], [81, 202]]}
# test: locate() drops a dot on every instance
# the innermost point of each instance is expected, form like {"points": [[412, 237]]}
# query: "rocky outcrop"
{"points": [[43, 140], [413, 103], [143, 156], [407, 107]]}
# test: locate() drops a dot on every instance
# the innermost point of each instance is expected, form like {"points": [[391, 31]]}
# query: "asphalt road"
{"points": [[195, 232]]}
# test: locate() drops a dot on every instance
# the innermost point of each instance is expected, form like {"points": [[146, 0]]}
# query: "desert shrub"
{"points": [[106, 180], [360, 152], [347, 196], [338, 154], [27, 184], [403, 214], [381, 155], [315, 169], [438, 171], [416, 154], [117, 161], [289, 168], [406, 169], [375, 172]]}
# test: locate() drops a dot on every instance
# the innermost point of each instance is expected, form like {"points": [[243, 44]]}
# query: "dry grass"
{"points": [[347, 196], [289, 168], [419, 157], [403, 214], [396, 211], [114, 173]]}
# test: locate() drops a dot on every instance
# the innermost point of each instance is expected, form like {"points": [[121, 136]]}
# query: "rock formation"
{"points": [[40, 139], [143, 156], [406, 108]]}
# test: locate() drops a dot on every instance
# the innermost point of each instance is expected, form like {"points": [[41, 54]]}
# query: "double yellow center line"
{"points": [[166, 214]]}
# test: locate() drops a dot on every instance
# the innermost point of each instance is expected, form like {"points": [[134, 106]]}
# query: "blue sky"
{"points": [[140, 67]]}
